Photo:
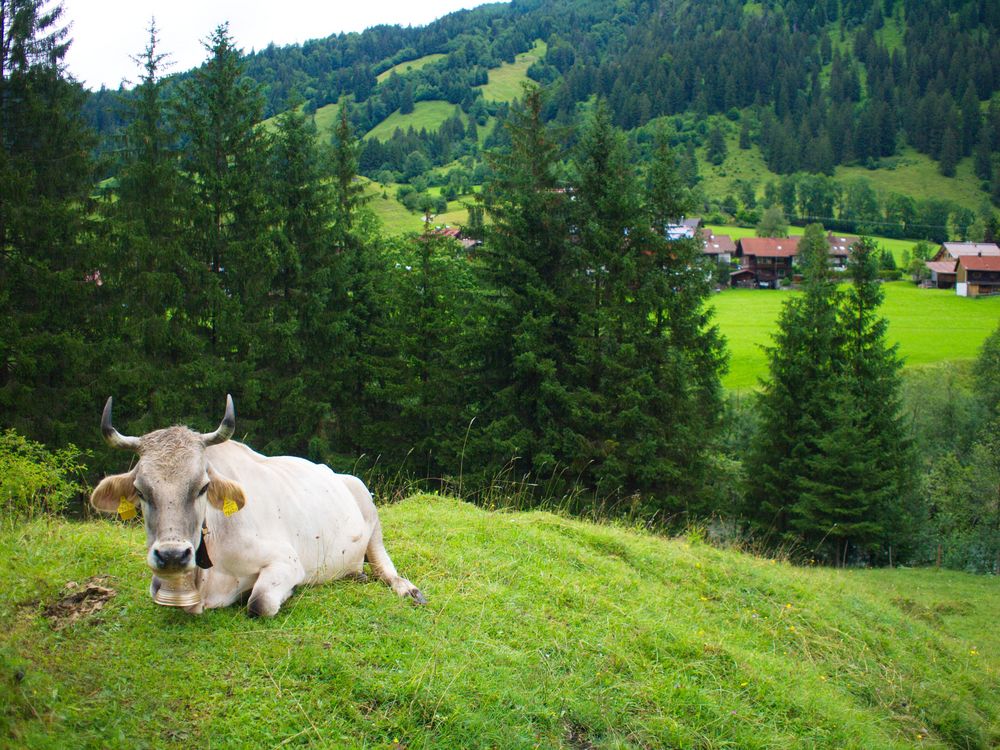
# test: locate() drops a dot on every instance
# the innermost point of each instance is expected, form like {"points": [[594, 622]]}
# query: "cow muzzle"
{"points": [[171, 557]]}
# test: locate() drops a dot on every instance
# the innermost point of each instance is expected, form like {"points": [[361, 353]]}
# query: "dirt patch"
{"points": [[79, 600], [578, 737]]}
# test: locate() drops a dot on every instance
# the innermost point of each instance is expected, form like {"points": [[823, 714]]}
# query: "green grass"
{"points": [[406, 67], [505, 82], [910, 173], [430, 115], [930, 325], [917, 175], [396, 219], [540, 632]]}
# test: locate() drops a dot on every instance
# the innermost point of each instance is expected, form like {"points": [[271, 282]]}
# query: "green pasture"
{"points": [[395, 217], [406, 67], [540, 632], [909, 173], [930, 325], [429, 114], [505, 82]]}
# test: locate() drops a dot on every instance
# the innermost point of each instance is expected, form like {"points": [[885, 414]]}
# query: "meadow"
{"points": [[427, 114], [505, 82], [909, 173], [540, 631], [930, 325], [409, 65]]}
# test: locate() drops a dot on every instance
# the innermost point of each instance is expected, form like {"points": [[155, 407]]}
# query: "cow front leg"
{"points": [[274, 585], [383, 568]]}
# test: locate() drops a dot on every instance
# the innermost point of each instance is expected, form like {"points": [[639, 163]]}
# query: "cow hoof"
{"points": [[418, 598], [360, 577], [258, 607]]}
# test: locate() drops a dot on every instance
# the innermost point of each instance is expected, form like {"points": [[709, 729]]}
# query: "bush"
{"points": [[893, 274], [35, 481]]}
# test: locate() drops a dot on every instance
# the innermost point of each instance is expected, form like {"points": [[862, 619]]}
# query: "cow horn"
{"points": [[114, 438], [226, 428]]}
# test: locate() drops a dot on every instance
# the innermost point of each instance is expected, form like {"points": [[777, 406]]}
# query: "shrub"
{"points": [[34, 480]]}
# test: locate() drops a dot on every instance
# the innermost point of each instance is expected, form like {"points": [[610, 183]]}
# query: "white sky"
{"points": [[108, 33]]}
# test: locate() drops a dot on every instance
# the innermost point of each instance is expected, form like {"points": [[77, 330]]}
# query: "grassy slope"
{"points": [[913, 174], [930, 325], [540, 632], [429, 114], [505, 82], [406, 67]]}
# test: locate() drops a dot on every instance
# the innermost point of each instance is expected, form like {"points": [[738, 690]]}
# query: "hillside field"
{"points": [[505, 82], [930, 325], [540, 632]]}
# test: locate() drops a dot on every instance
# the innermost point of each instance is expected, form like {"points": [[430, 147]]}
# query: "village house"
{"points": [[942, 273], [840, 250], [766, 260], [683, 229], [718, 247], [954, 250], [944, 265], [977, 275]]}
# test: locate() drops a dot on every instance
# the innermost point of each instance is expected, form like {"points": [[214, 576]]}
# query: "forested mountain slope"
{"points": [[811, 85]]}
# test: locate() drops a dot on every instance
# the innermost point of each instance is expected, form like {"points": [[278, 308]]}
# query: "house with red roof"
{"points": [[977, 275], [942, 273], [767, 259], [718, 247], [954, 250]]}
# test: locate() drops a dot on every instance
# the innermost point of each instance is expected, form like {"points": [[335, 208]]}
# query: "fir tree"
{"points": [[797, 399], [522, 402], [153, 278], [950, 152], [50, 275], [716, 150], [224, 164]]}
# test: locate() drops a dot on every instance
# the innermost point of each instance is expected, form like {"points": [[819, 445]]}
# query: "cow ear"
{"points": [[224, 494], [109, 494]]}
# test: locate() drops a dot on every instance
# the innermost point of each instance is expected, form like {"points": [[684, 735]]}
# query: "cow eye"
{"points": [[139, 494], [203, 490]]}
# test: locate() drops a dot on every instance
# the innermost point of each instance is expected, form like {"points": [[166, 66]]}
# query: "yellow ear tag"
{"points": [[229, 506], [126, 510]]}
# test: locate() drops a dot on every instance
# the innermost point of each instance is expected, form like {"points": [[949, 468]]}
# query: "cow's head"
{"points": [[174, 482]]}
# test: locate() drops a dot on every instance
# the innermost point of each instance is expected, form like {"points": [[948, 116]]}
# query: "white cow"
{"points": [[298, 522]]}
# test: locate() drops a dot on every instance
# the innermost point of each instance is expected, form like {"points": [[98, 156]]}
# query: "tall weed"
{"points": [[35, 481]]}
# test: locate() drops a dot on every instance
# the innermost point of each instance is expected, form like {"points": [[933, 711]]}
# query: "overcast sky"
{"points": [[108, 33]]}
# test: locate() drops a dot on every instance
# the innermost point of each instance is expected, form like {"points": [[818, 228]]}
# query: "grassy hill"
{"points": [[930, 325], [908, 173], [540, 631], [505, 82], [409, 65], [428, 114]]}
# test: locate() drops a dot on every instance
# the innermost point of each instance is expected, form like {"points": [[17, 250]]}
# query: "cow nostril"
{"points": [[171, 557]]}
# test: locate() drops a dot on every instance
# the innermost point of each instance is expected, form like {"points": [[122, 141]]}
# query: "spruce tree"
{"points": [[855, 500], [796, 401], [50, 272], [308, 336], [224, 163], [521, 404], [685, 349], [153, 321]]}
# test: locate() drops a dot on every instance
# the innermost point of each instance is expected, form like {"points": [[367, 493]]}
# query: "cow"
{"points": [[242, 521]]}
